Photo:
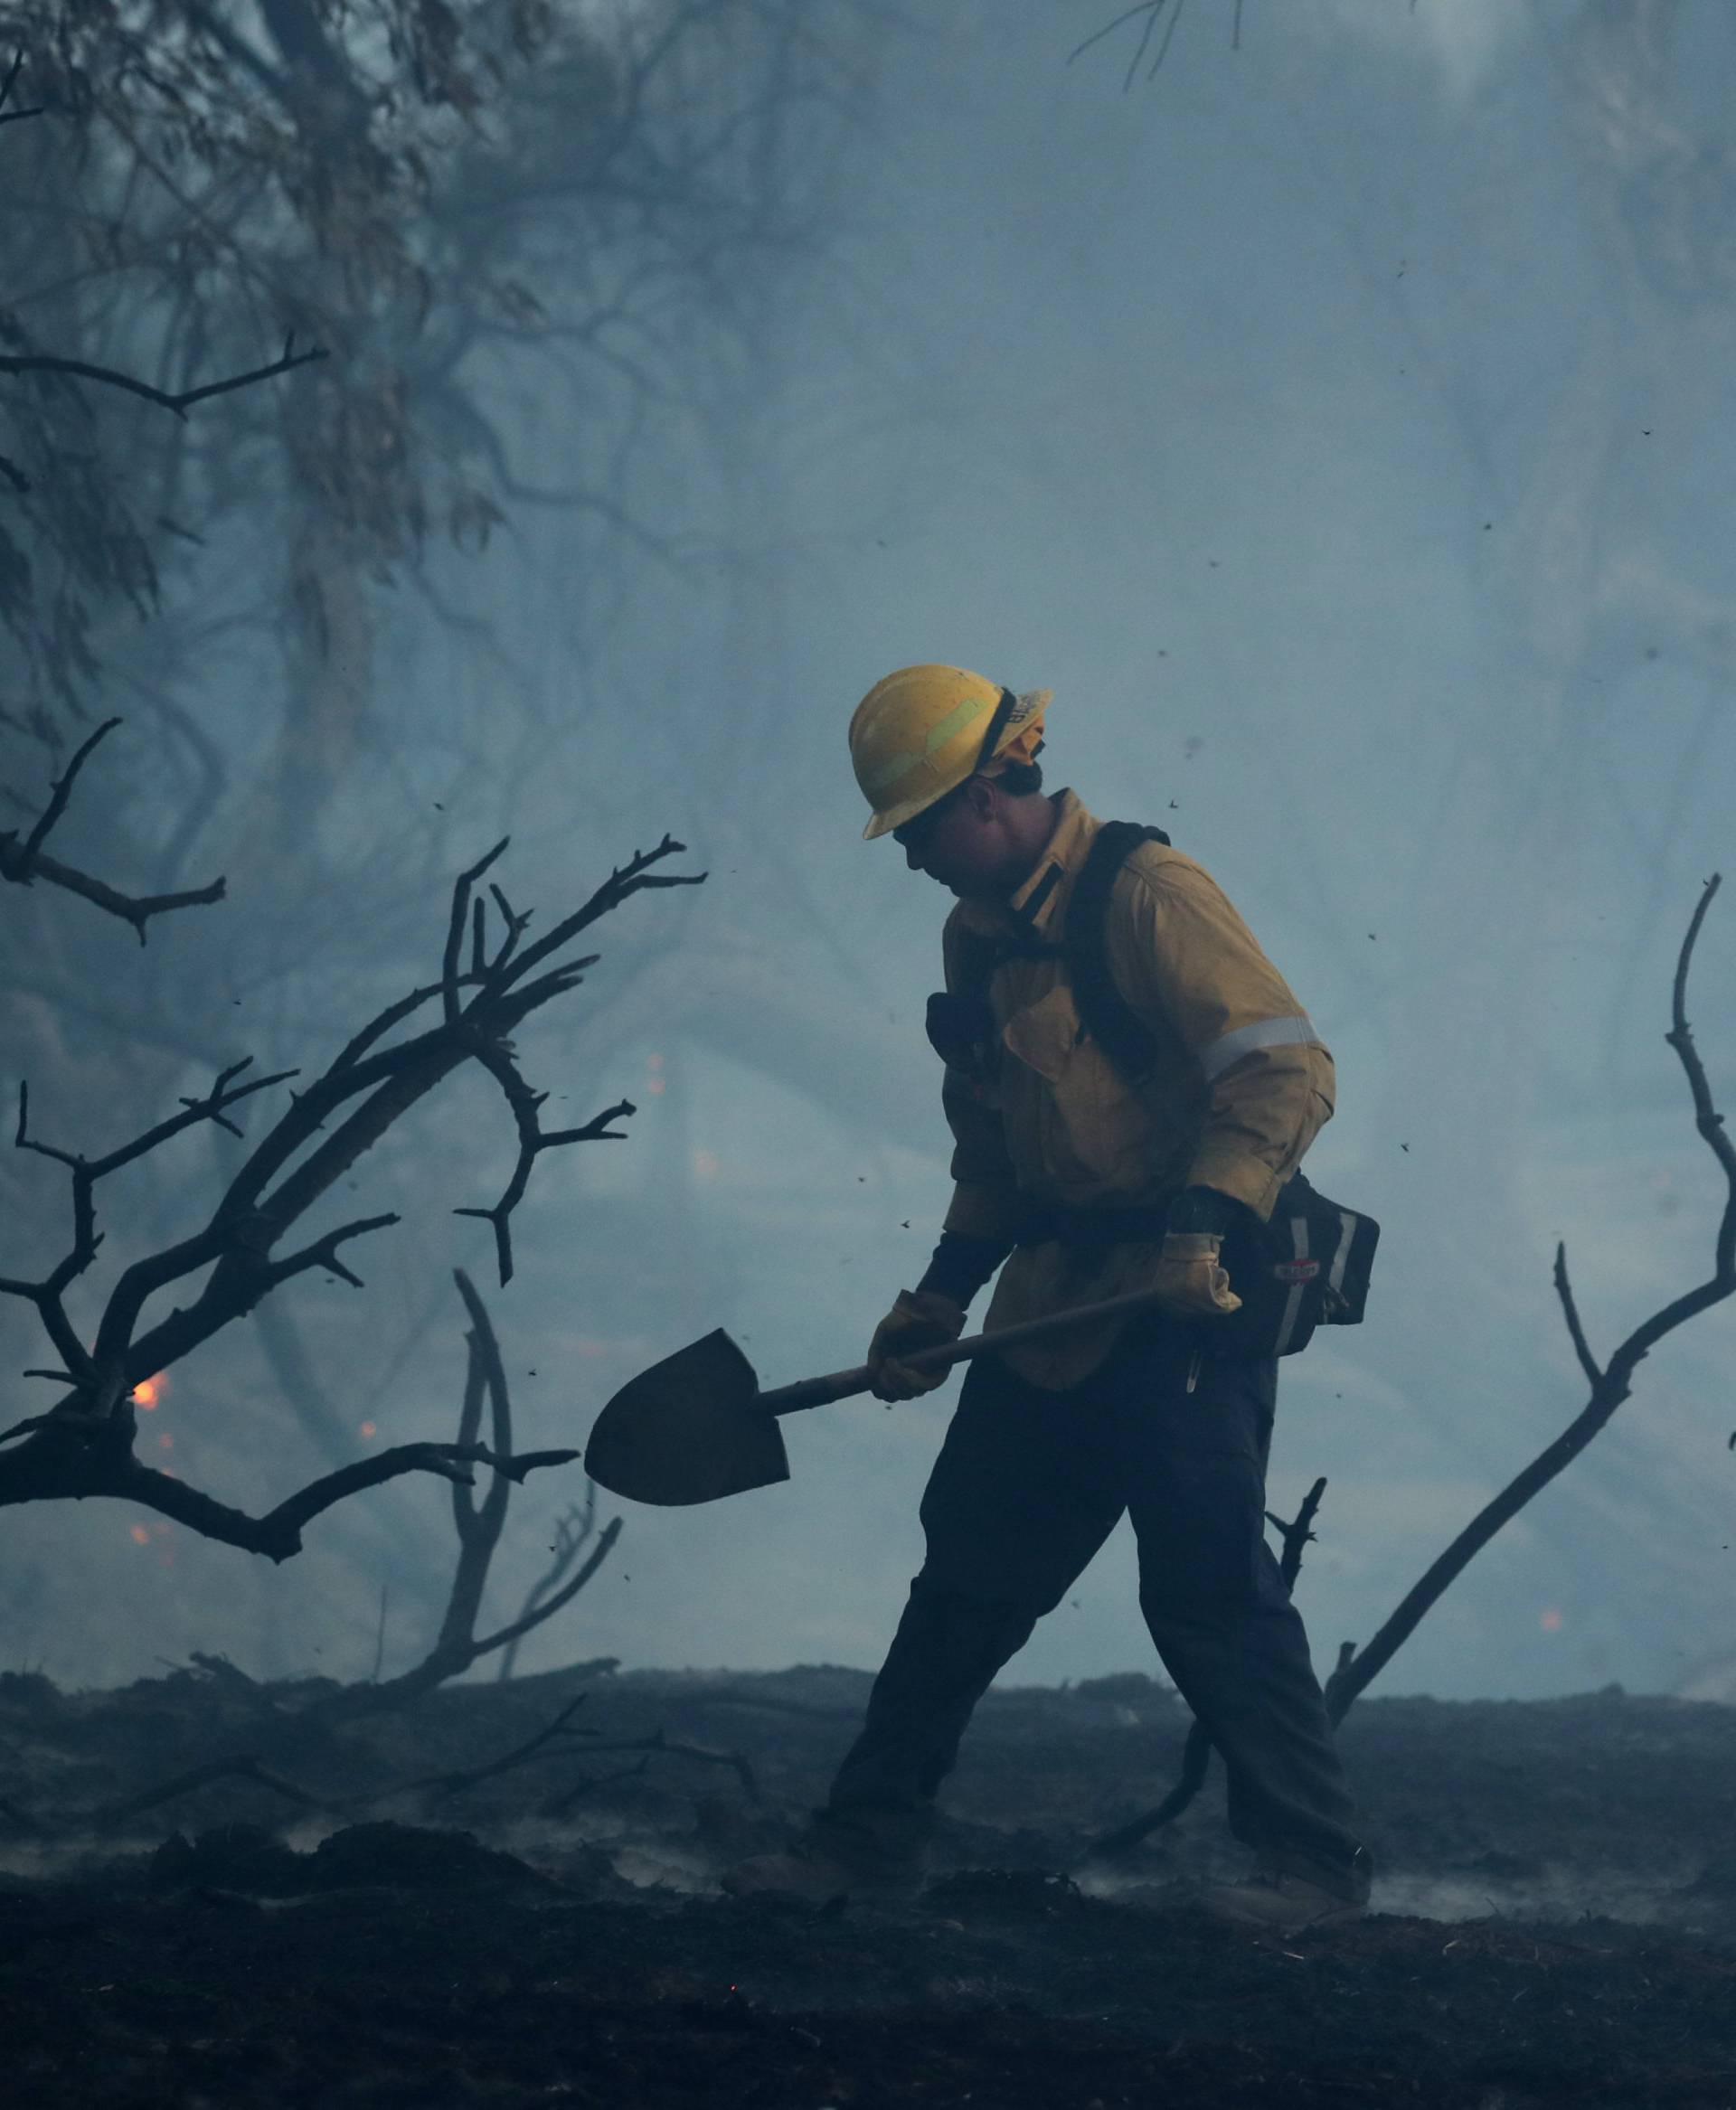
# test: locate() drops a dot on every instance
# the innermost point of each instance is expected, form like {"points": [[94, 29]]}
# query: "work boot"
{"points": [[1281, 1901]]}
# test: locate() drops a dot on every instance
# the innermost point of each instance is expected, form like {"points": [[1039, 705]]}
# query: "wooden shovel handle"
{"points": [[845, 1384]]}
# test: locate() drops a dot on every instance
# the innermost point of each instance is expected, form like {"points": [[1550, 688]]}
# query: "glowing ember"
{"points": [[370, 1428], [656, 1087], [149, 1392], [1550, 1623], [165, 1441], [140, 1536]]}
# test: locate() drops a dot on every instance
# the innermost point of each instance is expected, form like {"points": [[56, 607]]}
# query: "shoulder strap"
{"points": [[1108, 1016]]}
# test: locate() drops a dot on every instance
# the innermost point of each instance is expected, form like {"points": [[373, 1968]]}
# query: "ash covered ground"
{"points": [[374, 1910]]}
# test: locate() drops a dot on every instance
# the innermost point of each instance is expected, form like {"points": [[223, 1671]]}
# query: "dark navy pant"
{"points": [[1027, 1486]]}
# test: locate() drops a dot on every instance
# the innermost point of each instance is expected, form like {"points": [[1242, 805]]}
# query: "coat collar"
{"points": [[1037, 907]]}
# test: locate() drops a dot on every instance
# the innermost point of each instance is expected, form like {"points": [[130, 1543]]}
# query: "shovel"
{"points": [[696, 1426]]}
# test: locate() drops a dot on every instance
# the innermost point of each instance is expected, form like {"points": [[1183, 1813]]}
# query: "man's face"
{"points": [[959, 842]]}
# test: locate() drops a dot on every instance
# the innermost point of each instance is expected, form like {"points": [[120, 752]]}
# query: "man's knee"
{"points": [[1202, 1552], [953, 1616]]}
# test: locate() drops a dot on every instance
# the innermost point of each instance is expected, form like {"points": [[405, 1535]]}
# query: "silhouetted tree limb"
{"points": [[22, 862], [572, 1533], [1609, 1386], [179, 400], [83, 1445]]}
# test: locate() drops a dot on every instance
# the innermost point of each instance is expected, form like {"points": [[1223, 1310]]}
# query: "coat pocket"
{"points": [[1092, 1132]]}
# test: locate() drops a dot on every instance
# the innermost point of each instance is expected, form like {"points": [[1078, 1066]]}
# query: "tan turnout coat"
{"points": [[1242, 1086]]}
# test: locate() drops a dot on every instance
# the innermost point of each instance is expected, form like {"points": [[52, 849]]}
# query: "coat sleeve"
{"points": [[1186, 960], [985, 1201]]}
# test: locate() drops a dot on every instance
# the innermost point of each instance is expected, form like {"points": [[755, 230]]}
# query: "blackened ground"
{"points": [[1556, 1921]]}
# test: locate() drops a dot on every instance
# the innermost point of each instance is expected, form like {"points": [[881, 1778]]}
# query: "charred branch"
{"points": [[22, 861], [83, 1445], [572, 1533], [70, 1456], [244, 1767], [546, 1739], [656, 1745], [1609, 1386]]}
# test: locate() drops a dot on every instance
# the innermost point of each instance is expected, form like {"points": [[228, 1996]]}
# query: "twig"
{"points": [[179, 402], [657, 1745], [380, 1634], [1571, 1312], [246, 1767], [1610, 1386], [563, 1598], [22, 862], [520, 1755], [1297, 1533], [560, 1805], [7, 86], [60, 791], [572, 1534]]}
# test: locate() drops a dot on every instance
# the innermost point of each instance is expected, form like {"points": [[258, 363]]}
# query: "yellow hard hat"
{"points": [[919, 734]]}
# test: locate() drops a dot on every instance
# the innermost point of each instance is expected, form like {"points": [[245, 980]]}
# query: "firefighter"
{"points": [[1078, 1182]]}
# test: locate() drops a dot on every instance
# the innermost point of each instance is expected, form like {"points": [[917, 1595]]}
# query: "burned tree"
{"points": [[489, 983]]}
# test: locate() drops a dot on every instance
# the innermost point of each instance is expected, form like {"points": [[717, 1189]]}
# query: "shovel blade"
{"points": [[689, 1429]]}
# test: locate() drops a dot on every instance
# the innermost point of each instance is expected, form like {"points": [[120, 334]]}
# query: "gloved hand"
{"points": [[921, 1318], [1191, 1281]]}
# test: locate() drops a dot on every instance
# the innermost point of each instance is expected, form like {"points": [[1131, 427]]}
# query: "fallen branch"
{"points": [[536, 1747], [654, 1747], [246, 1767], [1609, 1386]]}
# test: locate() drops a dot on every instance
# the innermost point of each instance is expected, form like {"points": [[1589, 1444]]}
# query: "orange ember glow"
{"points": [[1550, 1623], [150, 1392], [141, 1537], [370, 1428], [656, 1087]]}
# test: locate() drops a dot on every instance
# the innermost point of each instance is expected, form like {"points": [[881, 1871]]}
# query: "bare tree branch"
{"points": [[572, 1533], [179, 401], [22, 862], [1610, 1386], [9, 117], [478, 1527], [82, 1446]]}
